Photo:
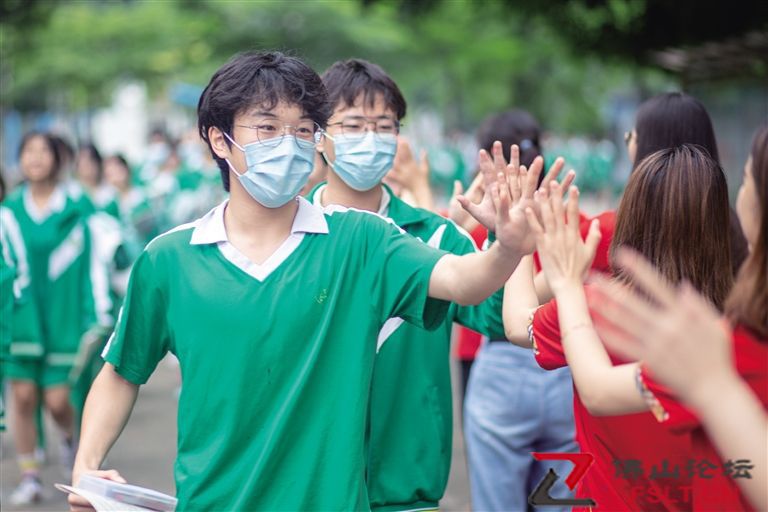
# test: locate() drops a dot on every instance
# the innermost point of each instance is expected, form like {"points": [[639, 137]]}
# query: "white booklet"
{"points": [[108, 496]]}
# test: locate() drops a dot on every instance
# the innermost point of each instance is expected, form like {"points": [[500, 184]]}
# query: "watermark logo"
{"points": [[540, 496]]}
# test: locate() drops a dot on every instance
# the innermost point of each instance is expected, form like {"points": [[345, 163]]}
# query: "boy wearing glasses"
{"points": [[272, 307], [411, 416]]}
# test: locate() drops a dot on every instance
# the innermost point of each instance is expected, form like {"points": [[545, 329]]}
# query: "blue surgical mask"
{"points": [[275, 174], [363, 161]]}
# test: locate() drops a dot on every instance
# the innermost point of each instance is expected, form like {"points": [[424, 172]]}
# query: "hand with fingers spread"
{"points": [[513, 195], [474, 193], [677, 333], [565, 257], [482, 208], [412, 175], [519, 182]]}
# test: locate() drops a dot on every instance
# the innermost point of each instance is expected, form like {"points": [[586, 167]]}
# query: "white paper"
{"points": [[100, 503]]}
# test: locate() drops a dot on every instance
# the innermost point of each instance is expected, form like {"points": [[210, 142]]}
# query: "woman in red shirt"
{"points": [[675, 212], [678, 335]]}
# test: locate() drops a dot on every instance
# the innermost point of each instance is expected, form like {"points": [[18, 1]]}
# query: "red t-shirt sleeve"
{"points": [[544, 333], [664, 405], [601, 263]]}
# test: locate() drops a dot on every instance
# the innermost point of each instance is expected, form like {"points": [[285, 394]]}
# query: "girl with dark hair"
{"points": [[718, 370], [669, 120], [674, 212], [69, 291], [89, 170], [133, 204]]}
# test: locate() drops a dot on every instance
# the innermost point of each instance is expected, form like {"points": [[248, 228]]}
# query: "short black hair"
{"points": [[670, 120], [347, 80], [512, 127], [52, 147], [258, 78]]}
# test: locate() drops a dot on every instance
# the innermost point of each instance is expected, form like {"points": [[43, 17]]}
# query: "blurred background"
{"points": [[112, 71], [126, 76]]}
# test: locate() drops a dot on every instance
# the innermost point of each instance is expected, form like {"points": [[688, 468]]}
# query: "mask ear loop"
{"points": [[324, 133], [238, 146]]}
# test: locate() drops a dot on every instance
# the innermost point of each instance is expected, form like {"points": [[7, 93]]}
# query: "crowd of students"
{"points": [[70, 233], [311, 311]]}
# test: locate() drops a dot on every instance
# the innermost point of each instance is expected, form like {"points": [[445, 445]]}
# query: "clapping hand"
{"points": [[510, 186], [565, 257]]}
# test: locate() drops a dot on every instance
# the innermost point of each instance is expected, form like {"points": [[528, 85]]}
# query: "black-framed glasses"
{"points": [[270, 132], [357, 125]]}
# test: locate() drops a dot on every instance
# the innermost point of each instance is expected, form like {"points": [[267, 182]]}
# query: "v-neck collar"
{"points": [[56, 203], [210, 229]]}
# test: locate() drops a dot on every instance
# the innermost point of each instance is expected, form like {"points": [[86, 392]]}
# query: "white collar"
{"points": [[210, 229], [56, 203], [383, 205]]}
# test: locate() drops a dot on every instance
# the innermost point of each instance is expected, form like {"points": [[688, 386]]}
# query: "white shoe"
{"points": [[29, 491]]}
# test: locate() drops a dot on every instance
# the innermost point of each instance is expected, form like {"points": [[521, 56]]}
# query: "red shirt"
{"points": [[468, 340], [720, 491], [601, 262], [634, 455]]}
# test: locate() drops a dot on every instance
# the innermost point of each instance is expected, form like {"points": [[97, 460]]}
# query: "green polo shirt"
{"points": [[276, 359], [411, 417]]}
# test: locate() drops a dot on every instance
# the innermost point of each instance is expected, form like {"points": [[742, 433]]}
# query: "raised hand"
{"points": [[565, 257], [484, 210], [474, 193], [514, 195], [520, 182], [412, 175]]}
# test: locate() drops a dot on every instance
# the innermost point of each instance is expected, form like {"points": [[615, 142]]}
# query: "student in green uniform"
{"points": [[273, 306], [411, 416], [134, 208], [89, 172], [69, 290], [7, 297], [18, 315]]}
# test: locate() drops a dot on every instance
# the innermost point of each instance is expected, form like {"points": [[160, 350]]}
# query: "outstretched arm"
{"points": [[603, 388]]}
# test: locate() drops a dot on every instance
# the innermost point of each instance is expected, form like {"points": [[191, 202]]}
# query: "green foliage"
{"points": [[463, 59]]}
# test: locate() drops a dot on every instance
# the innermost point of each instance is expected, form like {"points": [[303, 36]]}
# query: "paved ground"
{"points": [[145, 451]]}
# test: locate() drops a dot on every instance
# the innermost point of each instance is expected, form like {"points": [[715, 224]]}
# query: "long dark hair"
{"points": [[748, 302], [675, 213], [671, 119]]}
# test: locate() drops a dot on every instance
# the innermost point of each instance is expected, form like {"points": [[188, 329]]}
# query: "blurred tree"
{"points": [[628, 29], [462, 59]]}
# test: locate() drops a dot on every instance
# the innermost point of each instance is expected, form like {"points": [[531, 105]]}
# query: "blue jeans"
{"points": [[513, 408]]}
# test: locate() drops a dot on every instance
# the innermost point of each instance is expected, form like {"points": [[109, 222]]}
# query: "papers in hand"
{"points": [[100, 503], [108, 496]]}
